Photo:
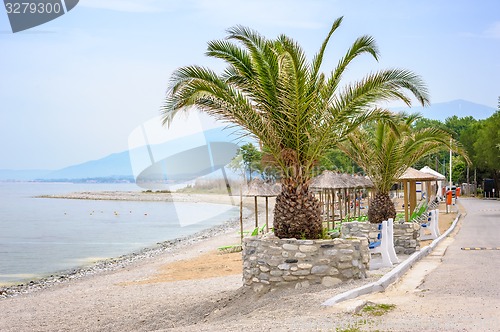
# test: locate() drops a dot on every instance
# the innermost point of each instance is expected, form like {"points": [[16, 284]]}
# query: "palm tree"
{"points": [[294, 110], [386, 149]]}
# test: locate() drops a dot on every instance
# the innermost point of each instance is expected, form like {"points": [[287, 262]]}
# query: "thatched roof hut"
{"points": [[409, 179]]}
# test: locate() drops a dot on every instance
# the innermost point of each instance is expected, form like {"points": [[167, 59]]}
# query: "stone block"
{"points": [[288, 246], [276, 273], [320, 269], [348, 273], [331, 252], [301, 273], [264, 268], [284, 266], [263, 276], [345, 265], [308, 248], [304, 266], [345, 258], [290, 278], [330, 281]]}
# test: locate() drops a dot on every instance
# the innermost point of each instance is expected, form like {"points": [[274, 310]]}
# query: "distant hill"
{"points": [[116, 166], [460, 108]]}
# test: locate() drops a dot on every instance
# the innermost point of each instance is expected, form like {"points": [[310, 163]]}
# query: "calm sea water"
{"points": [[40, 236]]}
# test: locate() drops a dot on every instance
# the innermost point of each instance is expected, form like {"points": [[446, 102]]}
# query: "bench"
{"points": [[385, 244], [430, 229]]}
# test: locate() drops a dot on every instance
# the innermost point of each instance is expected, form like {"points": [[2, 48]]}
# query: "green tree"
{"points": [[459, 170], [486, 147], [251, 158], [458, 125], [386, 150], [336, 160], [296, 111]]}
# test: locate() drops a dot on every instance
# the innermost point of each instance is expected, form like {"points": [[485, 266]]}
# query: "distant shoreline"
{"points": [[142, 196]]}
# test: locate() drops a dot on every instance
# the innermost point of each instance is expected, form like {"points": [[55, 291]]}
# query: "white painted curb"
{"points": [[393, 275]]}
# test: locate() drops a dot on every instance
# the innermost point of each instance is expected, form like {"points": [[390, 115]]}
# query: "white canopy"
{"points": [[440, 179], [429, 170]]}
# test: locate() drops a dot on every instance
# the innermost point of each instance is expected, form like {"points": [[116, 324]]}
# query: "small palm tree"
{"points": [[296, 112], [386, 149]]}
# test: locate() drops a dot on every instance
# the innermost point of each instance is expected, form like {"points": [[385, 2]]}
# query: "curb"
{"points": [[393, 275]]}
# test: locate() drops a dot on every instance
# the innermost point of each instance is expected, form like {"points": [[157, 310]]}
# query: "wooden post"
{"points": [[346, 202], [256, 213], [413, 196], [405, 200], [267, 214], [340, 206], [428, 191], [241, 216], [333, 208], [327, 208]]}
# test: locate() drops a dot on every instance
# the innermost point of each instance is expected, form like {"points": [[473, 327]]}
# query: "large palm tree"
{"points": [[385, 150], [294, 110]]}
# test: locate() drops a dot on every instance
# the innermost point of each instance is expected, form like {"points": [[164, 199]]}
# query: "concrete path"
{"points": [[452, 289]]}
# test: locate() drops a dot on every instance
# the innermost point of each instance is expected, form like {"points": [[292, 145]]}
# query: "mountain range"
{"points": [[117, 166], [460, 108]]}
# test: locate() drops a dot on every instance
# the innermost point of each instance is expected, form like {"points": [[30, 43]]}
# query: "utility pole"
{"points": [[468, 184], [451, 183]]}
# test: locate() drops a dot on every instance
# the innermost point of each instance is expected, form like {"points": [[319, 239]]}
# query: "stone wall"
{"points": [[270, 262], [406, 235]]}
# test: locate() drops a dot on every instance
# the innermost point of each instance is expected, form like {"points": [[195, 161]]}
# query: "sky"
{"points": [[73, 89]]}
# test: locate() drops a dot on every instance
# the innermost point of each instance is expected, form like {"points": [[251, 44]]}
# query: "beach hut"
{"points": [[258, 188], [334, 190], [409, 179], [440, 179]]}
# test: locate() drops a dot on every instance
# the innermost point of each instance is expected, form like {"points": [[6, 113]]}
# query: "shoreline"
{"points": [[114, 263]]}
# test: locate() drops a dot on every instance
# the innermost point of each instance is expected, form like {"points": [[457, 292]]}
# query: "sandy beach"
{"points": [[185, 286]]}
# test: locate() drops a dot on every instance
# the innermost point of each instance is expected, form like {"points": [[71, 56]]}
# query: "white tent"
{"points": [[440, 179]]}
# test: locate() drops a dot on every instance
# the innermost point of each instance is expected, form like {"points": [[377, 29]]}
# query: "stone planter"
{"points": [[406, 235], [270, 262]]}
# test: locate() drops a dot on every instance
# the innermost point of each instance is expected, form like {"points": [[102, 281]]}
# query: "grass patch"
{"points": [[230, 249], [378, 309]]}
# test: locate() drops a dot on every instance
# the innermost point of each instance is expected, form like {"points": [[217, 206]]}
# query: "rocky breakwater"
{"points": [[270, 262], [406, 235]]}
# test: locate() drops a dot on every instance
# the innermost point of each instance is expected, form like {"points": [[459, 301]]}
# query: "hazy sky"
{"points": [[74, 88]]}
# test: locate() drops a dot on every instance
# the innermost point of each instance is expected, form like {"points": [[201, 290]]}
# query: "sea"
{"points": [[42, 236]]}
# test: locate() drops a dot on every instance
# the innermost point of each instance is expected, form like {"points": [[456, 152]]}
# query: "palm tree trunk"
{"points": [[297, 213], [381, 208]]}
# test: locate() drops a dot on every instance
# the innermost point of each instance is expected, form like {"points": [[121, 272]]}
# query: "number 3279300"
{"points": [[32, 8]]}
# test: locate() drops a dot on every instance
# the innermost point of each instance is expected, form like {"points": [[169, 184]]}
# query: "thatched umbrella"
{"points": [[409, 179], [329, 183], [258, 188]]}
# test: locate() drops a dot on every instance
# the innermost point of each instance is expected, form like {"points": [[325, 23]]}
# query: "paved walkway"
{"points": [[452, 289]]}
